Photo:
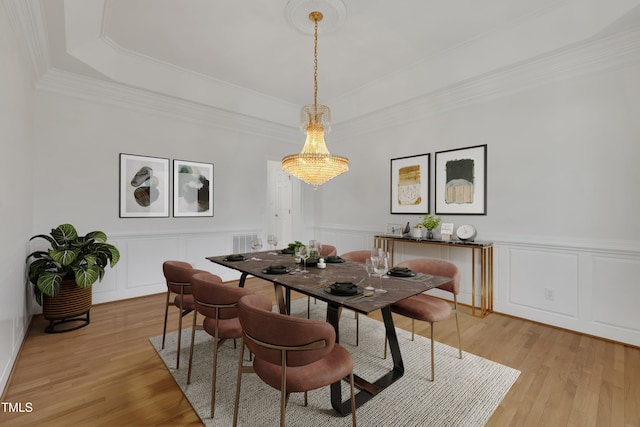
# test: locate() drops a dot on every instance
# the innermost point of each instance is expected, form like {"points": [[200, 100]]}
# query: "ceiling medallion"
{"points": [[334, 13]]}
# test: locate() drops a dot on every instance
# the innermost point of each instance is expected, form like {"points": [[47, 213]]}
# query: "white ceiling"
{"points": [[245, 56]]}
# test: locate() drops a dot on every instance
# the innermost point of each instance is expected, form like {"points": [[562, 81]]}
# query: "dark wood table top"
{"points": [[314, 282]]}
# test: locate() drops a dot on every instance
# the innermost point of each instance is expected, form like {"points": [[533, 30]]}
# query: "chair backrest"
{"points": [[209, 292], [328, 250], [178, 275], [436, 267], [275, 329], [357, 256]]}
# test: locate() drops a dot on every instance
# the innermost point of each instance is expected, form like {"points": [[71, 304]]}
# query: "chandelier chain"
{"points": [[315, 70]]}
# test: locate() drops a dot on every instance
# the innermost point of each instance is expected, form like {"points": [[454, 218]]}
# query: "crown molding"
{"points": [[588, 57], [129, 98], [27, 21]]}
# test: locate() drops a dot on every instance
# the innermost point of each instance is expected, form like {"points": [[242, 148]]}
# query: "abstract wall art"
{"points": [[144, 186]]}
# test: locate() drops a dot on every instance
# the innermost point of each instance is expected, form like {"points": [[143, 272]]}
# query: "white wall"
{"points": [[562, 192], [16, 185], [78, 141]]}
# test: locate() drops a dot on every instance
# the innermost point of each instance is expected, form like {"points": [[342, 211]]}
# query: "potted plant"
{"points": [[62, 276], [430, 222]]}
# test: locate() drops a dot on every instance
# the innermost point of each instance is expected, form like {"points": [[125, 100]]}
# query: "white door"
{"points": [[280, 203]]}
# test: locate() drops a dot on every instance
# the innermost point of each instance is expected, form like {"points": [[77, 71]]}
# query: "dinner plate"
{"points": [[235, 257], [401, 272], [276, 269], [343, 289], [333, 260]]}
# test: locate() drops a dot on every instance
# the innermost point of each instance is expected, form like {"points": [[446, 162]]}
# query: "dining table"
{"points": [[288, 275]]}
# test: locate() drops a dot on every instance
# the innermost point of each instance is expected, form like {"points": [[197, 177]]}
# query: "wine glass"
{"points": [[272, 240], [304, 254], [298, 257], [380, 266], [368, 267], [256, 244], [313, 248]]}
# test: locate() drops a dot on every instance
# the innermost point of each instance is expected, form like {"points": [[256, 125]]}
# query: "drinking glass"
{"points": [[380, 267], [304, 254], [272, 240], [368, 267], [313, 248], [256, 244]]}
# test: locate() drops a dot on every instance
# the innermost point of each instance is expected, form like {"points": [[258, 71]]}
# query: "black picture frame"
{"points": [[192, 189], [144, 186], [461, 181], [410, 184]]}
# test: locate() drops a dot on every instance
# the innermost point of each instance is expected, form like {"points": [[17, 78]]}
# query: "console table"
{"points": [[485, 250]]}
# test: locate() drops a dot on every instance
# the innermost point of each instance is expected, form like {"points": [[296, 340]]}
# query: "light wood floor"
{"points": [[108, 374]]}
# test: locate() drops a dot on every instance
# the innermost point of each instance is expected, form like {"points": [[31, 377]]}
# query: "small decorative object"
{"points": [[410, 184], [192, 189], [430, 222], [321, 263], [144, 186], [416, 232], [406, 230], [461, 181], [62, 276], [446, 230], [466, 232], [394, 230]]}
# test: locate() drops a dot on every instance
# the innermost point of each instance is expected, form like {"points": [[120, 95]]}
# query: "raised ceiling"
{"points": [[245, 56]]}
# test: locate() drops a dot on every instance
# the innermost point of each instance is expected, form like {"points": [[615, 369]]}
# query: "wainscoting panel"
{"points": [[589, 288], [545, 280], [616, 292]]}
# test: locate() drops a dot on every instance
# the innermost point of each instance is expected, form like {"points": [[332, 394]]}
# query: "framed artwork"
{"points": [[410, 184], [192, 188], [461, 181], [144, 186]]}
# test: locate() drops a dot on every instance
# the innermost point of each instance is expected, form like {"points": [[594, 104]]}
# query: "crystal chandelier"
{"points": [[315, 165]]}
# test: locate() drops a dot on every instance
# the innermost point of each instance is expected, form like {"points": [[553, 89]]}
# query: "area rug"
{"points": [[466, 391]]}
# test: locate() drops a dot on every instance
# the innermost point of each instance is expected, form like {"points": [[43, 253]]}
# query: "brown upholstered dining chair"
{"points": [[328, 250], [304, 358], [357, 256], [217, 302], [177, 275], [360, 256], [426, 307]]}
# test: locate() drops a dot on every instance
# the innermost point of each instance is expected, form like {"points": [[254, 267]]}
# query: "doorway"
{"points": [[280, 211]]}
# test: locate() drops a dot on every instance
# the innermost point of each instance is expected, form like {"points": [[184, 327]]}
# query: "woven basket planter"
{"points": [[69, 308]]}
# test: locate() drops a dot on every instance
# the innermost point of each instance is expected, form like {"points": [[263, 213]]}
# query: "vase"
{"points": [[429, 234], [69, 309]]}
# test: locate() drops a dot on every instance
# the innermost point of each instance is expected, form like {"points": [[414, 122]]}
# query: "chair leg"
{"points": [[413, 329], [238, 381], [433, 365], [179, 335], [166, 313], [193, 336], [455, 307], [353, 400], [213, 377]]}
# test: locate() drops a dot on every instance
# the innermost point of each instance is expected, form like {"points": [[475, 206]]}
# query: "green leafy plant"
{"points": [[430, 222], [294, 245], [81, 258]]}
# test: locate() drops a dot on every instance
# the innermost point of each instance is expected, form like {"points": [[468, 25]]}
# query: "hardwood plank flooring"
{"points": [[108, 374]]}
